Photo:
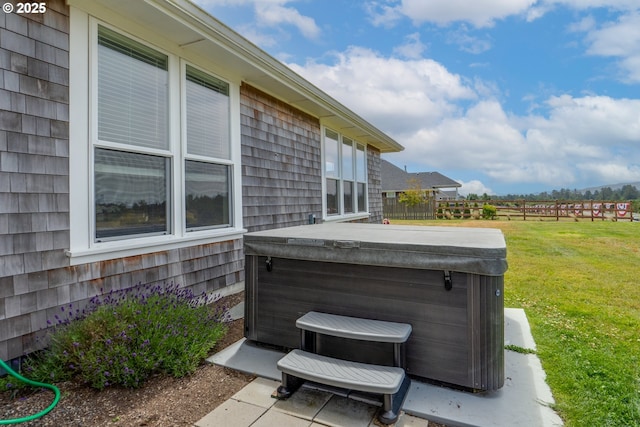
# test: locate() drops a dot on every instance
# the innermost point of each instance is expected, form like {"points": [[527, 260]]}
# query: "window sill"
{"points": [[126, 248], [347, 218]]}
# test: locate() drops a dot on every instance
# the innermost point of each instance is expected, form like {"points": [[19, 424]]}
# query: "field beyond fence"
{"points": [[578, 284], [539, 210]]}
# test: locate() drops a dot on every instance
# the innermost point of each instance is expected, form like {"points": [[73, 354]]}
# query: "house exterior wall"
{"points": [[36, 278], [375, 185], [281, 163], [34, 188], [281, 173]]}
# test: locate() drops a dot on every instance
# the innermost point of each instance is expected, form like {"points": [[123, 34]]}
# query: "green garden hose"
{"points": [[34, 384]]}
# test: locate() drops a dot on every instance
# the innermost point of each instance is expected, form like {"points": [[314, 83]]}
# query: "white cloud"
{"points": [[537, 11], [443, 12], [468, 43], [473, 187], [587, 23], [449, 122], [611, 172], [482, 139], [259, 38], [394, 94], [274, 13], [269, 14], [480, 14], [619, 39], [383, 13], [569, 141], [542, 7], [588, 139], [596, 120], [591, 4], [412, 48], [632, 66]]}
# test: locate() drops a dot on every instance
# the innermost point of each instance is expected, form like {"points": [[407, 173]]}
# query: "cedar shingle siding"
{"points": [[281, 172], [281, 163], [36, 278], [375, 185], [34, 169]]}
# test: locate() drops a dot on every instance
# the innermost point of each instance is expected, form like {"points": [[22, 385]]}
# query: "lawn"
{"points": [[579, 284]]}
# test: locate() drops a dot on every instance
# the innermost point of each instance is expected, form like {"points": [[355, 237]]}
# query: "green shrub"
{"points": [[467, 211], [489, 211], [127, 336], [456, 211]]}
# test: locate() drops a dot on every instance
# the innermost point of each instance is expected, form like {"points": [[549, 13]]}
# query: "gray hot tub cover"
{"points": [[469, 250]]}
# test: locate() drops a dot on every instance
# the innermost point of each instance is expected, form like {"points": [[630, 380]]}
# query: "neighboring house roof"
{"points": [[396, 179], [198, 33]]}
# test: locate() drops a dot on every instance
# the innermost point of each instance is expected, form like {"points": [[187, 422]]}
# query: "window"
{"points": [[131, 194], [162, 156], [345, 174], [332, 171], [207, 182], [131, 191], [133, 92], [207, 195], [361, 178], [207, 115]]}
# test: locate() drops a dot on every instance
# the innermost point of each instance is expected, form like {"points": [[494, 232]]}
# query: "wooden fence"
{"points": [[540, 210], [393, 209], [557, 209]]}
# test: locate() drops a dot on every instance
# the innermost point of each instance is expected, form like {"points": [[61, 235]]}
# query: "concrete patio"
{"points": [[524, 400]]}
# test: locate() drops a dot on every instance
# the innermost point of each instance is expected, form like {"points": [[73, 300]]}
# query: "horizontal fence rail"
{"points": [[555, 209], [512, 209], [393, 209]]}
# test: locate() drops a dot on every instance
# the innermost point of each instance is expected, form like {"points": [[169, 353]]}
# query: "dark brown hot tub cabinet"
{"points": [[446, 282]]}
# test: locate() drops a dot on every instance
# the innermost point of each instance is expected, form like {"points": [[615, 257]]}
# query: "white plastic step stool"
{"points": [[390, 381]]}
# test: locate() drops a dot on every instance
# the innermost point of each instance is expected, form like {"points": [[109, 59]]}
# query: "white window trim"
{"points": [[185, 156], [83, 115], [342, 216]]}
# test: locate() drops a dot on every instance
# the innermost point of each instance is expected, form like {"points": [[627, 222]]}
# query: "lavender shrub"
{"points": [[124, 337]]}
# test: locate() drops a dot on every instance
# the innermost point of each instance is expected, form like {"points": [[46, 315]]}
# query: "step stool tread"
{"points": [[354, 327], [342, 373]]}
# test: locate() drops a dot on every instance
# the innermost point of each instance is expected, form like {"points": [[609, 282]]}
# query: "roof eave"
{"points": [[195, 30]]}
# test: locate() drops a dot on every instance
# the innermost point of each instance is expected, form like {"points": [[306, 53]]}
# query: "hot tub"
{"points": [[447, 282]]}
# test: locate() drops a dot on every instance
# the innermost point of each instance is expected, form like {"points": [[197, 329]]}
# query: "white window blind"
{"points": [[133, 92], [207, 115]]}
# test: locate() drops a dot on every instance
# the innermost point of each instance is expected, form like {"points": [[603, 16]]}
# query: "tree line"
{"points": [[626, 192]]}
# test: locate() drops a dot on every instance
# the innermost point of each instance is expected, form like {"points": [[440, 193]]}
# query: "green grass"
{"points": [[579, 284]]}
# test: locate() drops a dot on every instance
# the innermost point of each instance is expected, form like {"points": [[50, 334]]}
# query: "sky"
{"points": [[503, 96]]}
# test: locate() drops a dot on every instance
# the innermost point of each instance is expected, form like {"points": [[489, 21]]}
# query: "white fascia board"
{"points": [[201, 33], [272, 69]]}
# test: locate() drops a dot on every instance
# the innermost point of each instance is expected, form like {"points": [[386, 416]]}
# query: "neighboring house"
{"points": [[139, 141], [435, 185], [446, 195]]}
